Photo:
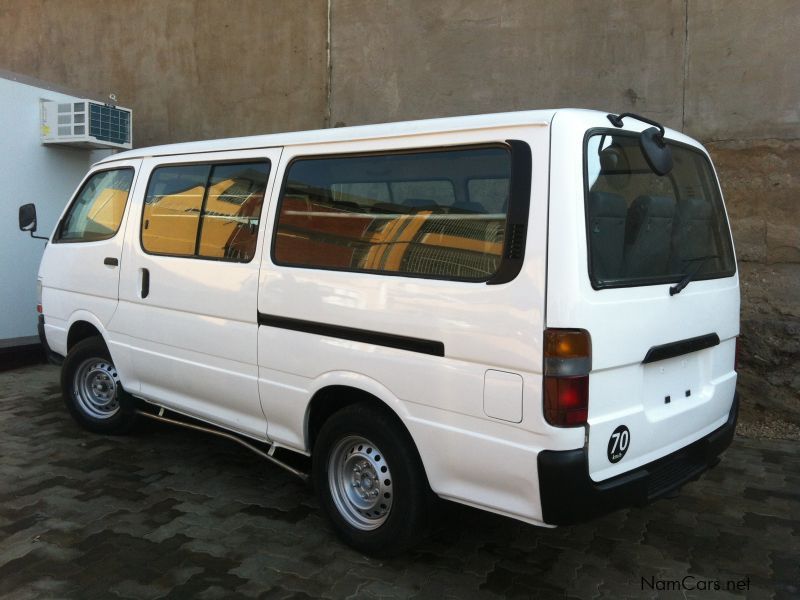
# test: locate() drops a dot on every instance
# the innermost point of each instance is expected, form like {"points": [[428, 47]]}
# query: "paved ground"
{"points": [[169, 512]]}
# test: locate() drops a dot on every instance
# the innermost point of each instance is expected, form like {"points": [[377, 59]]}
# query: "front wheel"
{"points": [[370, 481], [92, 390]]}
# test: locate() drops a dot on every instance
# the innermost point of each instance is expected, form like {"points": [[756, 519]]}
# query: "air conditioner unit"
{"points": [[86, 124]]}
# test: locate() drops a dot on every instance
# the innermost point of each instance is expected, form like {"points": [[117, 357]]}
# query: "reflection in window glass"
{"points": [[231, 213], [172, 207], [211, 211], [97, 211], [405, 214]]}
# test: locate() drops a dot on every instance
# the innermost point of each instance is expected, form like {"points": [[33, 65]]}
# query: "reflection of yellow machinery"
{"points": [[423, 241], [228, 229], [105, 213]]}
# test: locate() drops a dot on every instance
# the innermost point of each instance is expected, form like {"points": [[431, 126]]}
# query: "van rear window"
{"points": [[412, 213], [645, 229]]}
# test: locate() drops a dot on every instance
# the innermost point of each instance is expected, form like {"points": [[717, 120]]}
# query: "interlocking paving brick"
{"points": [[169, 513]]}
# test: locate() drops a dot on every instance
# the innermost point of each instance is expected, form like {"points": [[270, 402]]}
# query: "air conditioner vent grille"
{"points": [[86, 124]]}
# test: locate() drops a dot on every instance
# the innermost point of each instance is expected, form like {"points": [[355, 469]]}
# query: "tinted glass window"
{"points": [[408, 214], [97, 211], [229, 225], [171, 215], [646, 229], [208, 211], [493, 192]]}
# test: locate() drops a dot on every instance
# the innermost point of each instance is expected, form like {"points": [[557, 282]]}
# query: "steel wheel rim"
{"points": [[360, 482], [94, 387]]}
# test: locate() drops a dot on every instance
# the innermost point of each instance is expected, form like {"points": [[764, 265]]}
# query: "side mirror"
{"points": [[656, 152], [27, 217]]}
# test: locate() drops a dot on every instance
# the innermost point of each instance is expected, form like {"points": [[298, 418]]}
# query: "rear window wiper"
{"points": [[690, 273]]}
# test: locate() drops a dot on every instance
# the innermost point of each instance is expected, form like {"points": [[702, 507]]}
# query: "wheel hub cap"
{"points": [[360, 482], [95, 388]]}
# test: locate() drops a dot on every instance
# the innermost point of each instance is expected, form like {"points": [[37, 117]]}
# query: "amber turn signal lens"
{"points": [[567, 343]]}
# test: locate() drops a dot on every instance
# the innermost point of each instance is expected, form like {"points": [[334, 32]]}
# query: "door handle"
{"points": [[145, 280], [111, 261]]}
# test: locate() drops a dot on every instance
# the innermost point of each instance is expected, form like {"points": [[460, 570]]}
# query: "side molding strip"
{"points": [[389, 340], [681, 347]]}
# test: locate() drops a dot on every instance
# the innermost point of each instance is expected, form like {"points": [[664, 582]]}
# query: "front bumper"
{"points": [[569, 495], [52, 357]]}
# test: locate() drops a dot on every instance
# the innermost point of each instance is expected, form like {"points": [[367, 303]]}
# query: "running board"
{"points": [[224, 434]]}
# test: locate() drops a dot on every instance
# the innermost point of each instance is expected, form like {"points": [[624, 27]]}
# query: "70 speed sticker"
{"points": [[618, 443]]}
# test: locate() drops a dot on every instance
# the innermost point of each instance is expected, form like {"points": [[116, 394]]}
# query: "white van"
{"points": [[533, 313]]}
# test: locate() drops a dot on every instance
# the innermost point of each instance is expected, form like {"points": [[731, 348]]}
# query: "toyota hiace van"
{"points": [[533, 313]]}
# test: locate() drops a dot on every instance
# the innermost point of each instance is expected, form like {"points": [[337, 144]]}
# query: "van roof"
{"points": [[364, 132], [339, 134]]}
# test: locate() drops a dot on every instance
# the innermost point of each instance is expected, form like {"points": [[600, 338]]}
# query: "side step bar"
{"points": [[224, 434]]}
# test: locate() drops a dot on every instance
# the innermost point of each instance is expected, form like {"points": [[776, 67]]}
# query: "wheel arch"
{"points": [[81, 328], [83, 324], [336, 391]]}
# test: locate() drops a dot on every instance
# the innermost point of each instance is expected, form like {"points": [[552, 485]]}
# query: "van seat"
{"points": [[469, 207], [648, 235], [692, 235], [420, 203], [607, 216], [389, 208]]}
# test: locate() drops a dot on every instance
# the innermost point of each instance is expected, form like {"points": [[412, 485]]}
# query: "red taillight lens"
{"points": [[566, 400], [567, 362], [39, 308]]}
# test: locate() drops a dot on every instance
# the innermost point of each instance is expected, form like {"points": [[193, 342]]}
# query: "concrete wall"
{"points": [[724, 71], [189, 69]]}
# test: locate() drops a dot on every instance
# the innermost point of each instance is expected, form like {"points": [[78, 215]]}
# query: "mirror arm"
{"points": [[616, 121], [39, 237]]}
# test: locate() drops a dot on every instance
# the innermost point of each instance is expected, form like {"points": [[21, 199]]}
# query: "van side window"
{"points": [[406, 214], [97, 211], [204, 211]]}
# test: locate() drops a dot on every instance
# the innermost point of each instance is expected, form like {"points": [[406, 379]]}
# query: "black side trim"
{"points": [[674, 349], [519, 203], [389, 340]]}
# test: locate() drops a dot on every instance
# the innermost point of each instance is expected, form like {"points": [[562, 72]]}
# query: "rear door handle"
{"points": [[145, 280], [111, 261]]}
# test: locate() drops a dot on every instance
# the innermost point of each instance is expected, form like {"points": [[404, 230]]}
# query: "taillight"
{"points": [[737, 354], [567, 362]]}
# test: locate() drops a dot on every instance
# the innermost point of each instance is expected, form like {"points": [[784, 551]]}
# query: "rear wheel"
{"points": [[370, 481], [92, 390]]}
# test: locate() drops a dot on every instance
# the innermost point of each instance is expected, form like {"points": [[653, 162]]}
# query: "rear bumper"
{"points": [[569, 495]]}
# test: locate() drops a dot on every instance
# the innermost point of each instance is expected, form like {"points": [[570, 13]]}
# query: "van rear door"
{"points": [[662, 373]]}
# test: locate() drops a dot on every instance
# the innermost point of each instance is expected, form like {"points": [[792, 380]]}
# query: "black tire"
{"points": [[92, 359], [407, 518]]}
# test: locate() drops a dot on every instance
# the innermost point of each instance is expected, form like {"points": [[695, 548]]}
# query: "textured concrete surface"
{"points": [[189, 69], [760, 183], [172, 513], [395, 60], [741, 73]]}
